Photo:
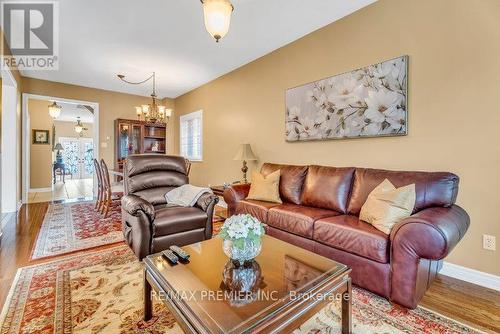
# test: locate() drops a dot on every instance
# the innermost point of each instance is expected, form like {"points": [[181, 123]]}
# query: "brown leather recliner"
{"points": [[149, 224], [320, 212]]}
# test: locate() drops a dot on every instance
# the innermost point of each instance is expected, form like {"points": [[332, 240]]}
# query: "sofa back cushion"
{"points": [[431, 188], [291, 180], [327, 187]]}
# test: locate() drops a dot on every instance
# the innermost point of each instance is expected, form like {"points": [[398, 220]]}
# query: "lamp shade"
{"points": [[245, 153], [54, 110], [59, 147], [217, 17]]}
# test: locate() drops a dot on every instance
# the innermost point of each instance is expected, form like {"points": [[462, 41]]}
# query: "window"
{"points": [[191, 136]]}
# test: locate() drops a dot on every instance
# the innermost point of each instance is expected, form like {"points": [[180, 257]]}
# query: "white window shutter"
{"points": [[191, 135]]}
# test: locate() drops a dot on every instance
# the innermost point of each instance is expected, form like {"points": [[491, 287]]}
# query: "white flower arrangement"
{"points": [[241, 228]]}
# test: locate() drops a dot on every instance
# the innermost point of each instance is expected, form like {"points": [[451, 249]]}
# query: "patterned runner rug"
{"points": [[101, 292], [72, 227]]}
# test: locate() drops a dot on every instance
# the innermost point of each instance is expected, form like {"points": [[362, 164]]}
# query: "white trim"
{"points": [[471, 275], [40, 190], [9, 171], [26, 134]]}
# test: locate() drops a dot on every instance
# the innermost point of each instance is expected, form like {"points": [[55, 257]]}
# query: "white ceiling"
{"points": [[100, 38], [70, 112]]}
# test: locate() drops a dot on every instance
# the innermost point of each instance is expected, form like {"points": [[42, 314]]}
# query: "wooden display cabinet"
{"points": [[138, 137]]}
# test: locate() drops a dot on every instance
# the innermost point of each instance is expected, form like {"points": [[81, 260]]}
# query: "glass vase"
{"points": [[249, 251]]}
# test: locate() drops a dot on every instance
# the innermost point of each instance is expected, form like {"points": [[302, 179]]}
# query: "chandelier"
{"points": [[153, 112], [54, 110], [217, 14], [79, 127]]}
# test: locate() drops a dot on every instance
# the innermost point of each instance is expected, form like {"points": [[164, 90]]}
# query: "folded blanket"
{"points": [[185, 195]]}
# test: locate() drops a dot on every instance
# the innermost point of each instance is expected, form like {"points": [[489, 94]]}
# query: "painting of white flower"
{"points": [[367, 102]]}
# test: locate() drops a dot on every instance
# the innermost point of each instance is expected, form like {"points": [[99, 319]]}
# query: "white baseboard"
{"points": [[471, 275], [40, 190]]}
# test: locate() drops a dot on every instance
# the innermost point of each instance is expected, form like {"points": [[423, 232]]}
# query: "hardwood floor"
{"points": [[465, 302]]}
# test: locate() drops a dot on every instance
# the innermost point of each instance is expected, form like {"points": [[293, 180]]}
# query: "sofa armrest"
{"points": [[207, 201], [431, 233], [418, 244], [234, 194], [132, 204]]}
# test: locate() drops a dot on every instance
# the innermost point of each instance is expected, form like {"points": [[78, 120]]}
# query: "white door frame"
{"points": [[9, 159], [26, 134]]}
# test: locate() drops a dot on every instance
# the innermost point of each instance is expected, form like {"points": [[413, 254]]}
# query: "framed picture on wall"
{"points": [[41, 137], [367, 102]]}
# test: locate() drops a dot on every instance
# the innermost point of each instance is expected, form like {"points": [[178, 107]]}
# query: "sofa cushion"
{"points": [[297, 219], [352, 235], [265, 188], [291, 181], [175, 219], [258, 209], [327, 187], [431, 188]]}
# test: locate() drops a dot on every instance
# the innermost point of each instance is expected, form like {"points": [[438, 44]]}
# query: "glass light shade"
{"points": [[54, 110], [138, 111], [168, 112], [217, 15], [161, 110], [78, 128], [145, 108]]}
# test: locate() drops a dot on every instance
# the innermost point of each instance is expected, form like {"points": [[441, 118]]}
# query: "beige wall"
{"points": [[41, 156], [454, 84], [112, 105]]}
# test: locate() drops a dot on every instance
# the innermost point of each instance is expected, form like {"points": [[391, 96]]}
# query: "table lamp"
{"points": [[59, 148], [245, 154]]}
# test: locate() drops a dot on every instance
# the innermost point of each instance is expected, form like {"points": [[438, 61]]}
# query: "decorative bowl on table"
{"points": [[242, 235]]}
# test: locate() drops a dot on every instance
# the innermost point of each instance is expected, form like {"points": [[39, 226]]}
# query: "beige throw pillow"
{"points": [[386, 205], [265, 188]]}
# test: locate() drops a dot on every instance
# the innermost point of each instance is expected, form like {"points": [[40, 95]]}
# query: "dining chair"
{"points": [[100, 186], [111, 190]]}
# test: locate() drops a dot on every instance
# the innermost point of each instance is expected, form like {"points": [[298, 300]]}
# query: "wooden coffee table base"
{"points": [[286, 321]]}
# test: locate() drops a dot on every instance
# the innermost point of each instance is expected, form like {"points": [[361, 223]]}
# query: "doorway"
{"points": [[62, 169]]}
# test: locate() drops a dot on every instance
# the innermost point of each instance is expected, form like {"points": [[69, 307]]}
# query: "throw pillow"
{"points": [[265, 188], [386, 205]]}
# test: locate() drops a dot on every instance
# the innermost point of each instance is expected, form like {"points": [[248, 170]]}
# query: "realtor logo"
{"points": [[32, 34]]}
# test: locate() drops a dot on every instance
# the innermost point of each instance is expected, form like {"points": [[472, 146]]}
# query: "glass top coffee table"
{"points": [[281, 289]]}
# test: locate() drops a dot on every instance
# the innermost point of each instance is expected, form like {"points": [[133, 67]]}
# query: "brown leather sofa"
{"points": [[320, 213], [149, 224]]}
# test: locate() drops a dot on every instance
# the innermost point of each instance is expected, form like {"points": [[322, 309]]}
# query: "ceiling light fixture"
{"points": [[217, 15], [54, 110], [154, 112], [79, 126]]}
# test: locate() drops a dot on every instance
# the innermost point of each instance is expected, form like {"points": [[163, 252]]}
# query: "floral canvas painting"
{"points": [[367, 102]]}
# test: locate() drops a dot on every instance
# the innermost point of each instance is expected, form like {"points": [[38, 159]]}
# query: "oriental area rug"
{"points": [[100, 291], [72, 227]]}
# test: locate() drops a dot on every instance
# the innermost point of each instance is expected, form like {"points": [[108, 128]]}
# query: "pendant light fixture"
{"points": [[54, 110], [154, 112], [217, 15], [79, 126]]}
